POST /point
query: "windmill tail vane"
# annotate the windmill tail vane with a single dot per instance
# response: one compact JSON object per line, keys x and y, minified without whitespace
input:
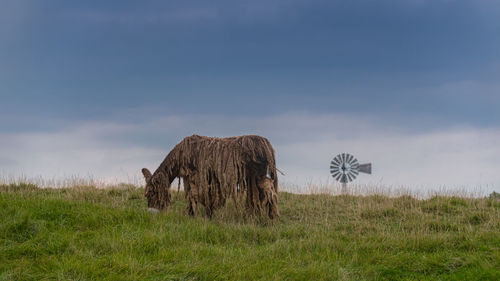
{"x":365,"y":168}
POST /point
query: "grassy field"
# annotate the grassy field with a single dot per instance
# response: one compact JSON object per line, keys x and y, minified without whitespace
{"x":84,"y":233}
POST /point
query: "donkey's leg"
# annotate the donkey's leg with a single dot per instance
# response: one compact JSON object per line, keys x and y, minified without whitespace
{"x":192,"y":197}
{"x":209,"y":211}
{"x":192,"y":207}
{"x":268,"y":197}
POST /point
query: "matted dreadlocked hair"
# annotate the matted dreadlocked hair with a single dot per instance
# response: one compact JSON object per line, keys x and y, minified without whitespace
{"x":214,"y":169}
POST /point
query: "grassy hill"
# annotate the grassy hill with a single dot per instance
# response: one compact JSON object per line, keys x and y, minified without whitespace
{"x":83,"y":233}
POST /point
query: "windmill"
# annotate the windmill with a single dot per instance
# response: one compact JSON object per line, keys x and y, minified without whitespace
{"x":345,"y":168}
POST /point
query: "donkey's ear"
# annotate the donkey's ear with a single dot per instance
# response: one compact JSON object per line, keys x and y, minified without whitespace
{"x":147,"y":174}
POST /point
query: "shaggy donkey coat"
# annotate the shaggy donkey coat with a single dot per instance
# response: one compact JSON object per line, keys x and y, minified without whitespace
{"x":214,"y":169}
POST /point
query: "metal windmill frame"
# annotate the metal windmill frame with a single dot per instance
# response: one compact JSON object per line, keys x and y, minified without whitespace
{"x":345,"y":168}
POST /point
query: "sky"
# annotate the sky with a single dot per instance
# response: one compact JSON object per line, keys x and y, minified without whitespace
{"x":104,"y":88}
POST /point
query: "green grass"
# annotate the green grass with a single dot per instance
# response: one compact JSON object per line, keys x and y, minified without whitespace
{"x":83,"y":233}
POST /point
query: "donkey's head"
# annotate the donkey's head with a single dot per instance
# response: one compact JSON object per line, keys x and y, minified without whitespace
{"x":157,"y":190}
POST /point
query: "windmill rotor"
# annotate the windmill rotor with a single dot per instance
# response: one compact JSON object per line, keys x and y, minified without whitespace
{"x":345,"y":168}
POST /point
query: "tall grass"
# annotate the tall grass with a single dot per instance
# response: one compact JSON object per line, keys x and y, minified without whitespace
{"x":335,"y":188}
{"x":86,"y":233}
{"x":312,"y":187}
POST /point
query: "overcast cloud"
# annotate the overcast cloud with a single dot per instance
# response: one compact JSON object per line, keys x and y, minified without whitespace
{"x":103,"y":88}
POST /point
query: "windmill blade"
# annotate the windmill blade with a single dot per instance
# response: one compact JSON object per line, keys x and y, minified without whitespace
{"x":335,"y":161}
{"x":348,"y":158}
{"x":351,"y":160}
{"x":353,"y":176}
{"x":365,"y":168}
{"x":349,"y":177}
{"x":338,"y":177}
{"x":355,"y":171}
{"x":343,"y":179}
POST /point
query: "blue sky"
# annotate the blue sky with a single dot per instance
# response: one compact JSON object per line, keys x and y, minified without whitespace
{"x":318,"y":77}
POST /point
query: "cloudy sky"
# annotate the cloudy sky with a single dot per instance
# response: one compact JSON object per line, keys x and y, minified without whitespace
{"x":104,"y":88}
